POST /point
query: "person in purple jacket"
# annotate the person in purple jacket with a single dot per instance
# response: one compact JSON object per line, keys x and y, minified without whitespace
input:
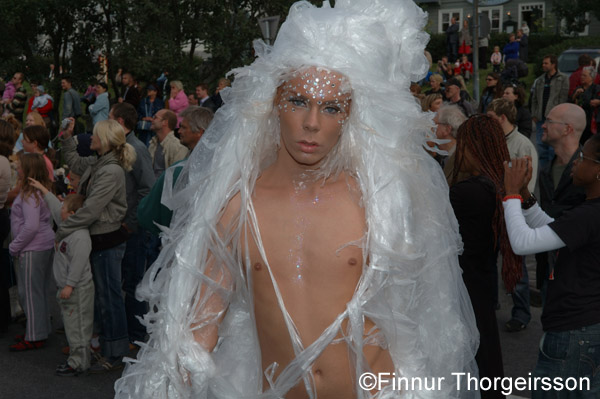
{"x":33,"y":247}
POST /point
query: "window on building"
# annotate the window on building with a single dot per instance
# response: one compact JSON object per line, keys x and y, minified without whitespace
{"x":581,"y":19}
{"x":495,"y":16}
{"x":444,"y":17}
{"x":533,"y":14}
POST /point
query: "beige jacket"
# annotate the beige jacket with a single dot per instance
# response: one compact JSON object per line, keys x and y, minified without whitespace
{"x":173,"y":150}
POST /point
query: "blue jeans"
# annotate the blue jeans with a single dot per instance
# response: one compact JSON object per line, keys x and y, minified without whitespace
{"x":545,"y":152}
{"x":134,"y":267}
{"x":110,"y":309}
{"x":567,"y":354}
{"x":520,"y":296}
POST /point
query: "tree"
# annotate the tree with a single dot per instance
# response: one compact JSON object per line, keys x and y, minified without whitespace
{"x":573,"y":13}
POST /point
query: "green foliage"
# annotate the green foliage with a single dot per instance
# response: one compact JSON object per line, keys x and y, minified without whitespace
{"x":437,"y":46}
{"x":573,"y":12}
{"x":145,"y":37}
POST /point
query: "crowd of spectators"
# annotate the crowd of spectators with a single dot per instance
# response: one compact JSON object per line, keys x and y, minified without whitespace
{"x":105,"y":213}
{"x":86,"y":198}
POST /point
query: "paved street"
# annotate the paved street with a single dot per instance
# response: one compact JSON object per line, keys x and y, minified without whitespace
{"x":31,"y":374}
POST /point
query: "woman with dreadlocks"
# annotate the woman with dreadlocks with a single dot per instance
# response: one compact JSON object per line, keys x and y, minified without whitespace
{"x":477,"y":202}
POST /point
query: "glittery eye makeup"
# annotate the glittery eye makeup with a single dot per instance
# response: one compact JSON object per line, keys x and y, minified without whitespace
{"x":328,"y":91}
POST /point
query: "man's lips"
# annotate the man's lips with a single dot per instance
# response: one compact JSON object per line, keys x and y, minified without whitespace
{"x":308,"y":146}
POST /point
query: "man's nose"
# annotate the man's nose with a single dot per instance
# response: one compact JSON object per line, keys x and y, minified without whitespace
{"x":312,"y":119}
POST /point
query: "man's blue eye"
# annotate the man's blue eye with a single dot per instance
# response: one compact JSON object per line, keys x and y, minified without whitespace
{"x":298,"y":102}
{"x":331,"y":110}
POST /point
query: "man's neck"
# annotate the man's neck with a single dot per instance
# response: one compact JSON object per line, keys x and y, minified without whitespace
{"x":565,"y":151}
{"x":456,"y":98}
{"x":162,"y":134}
{"x":508,"y":128}
{"x":551,"y":73}
{"x":286,"y":172}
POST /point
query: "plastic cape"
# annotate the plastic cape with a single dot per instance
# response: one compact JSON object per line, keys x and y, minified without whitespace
{"x":412,"y":287}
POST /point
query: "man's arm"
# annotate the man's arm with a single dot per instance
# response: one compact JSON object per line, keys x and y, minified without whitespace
{"x":563,"y":94}
{"x":67,"y":105}
{"x":534,"y":102}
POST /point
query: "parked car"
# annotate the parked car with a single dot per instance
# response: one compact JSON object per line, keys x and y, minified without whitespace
{"x":568,"y":60}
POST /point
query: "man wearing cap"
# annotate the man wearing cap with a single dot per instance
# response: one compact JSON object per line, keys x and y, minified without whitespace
{"x":453,"y":96}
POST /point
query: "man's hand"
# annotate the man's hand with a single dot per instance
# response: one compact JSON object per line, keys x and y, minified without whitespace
{"x":517,"y":174}
{"x":66,"y":292}
{"x":595,"y":103}
{"x":120,"y":99}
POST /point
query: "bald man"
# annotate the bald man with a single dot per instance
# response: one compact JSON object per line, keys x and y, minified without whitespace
{"x":562,"y":130}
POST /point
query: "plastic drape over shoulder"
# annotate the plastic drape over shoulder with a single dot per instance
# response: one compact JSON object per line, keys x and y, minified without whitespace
{"x":412,"y":287}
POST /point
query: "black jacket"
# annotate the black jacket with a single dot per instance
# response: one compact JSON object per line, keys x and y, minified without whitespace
{"x":565,"y":197}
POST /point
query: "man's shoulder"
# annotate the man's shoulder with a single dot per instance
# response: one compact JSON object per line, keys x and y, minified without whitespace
{"x":136,"y":143}
{"x":518,"y":140}
{"x":561,"y":77}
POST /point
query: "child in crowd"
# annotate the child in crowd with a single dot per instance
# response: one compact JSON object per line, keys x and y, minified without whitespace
{"x":35,"y":140}
{"x":496,"y":59}
{"x":8,"y":94}
{"x":466,"y":67}
{"x":32,"y":245}
{"x":457,"y":68}
{"x":73,"y":275}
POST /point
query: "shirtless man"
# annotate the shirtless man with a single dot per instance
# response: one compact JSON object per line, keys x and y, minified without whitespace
{"x":305,"y":245}
{"x":312,"y":239}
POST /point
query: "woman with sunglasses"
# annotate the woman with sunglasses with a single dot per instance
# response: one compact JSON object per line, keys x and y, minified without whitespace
{"x":492,"y":91}
{"x":570,"y":346}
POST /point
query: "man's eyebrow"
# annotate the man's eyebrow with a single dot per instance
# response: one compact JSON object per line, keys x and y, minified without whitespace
{"x":295,"y":94}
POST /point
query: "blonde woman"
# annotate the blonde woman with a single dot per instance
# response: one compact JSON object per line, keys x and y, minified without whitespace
{"x":103,"y":185}
{"x":432,"y":102}
{"x":178,"y":101}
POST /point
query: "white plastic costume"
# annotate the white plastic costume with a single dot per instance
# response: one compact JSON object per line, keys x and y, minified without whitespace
{"x":412,"y":287}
